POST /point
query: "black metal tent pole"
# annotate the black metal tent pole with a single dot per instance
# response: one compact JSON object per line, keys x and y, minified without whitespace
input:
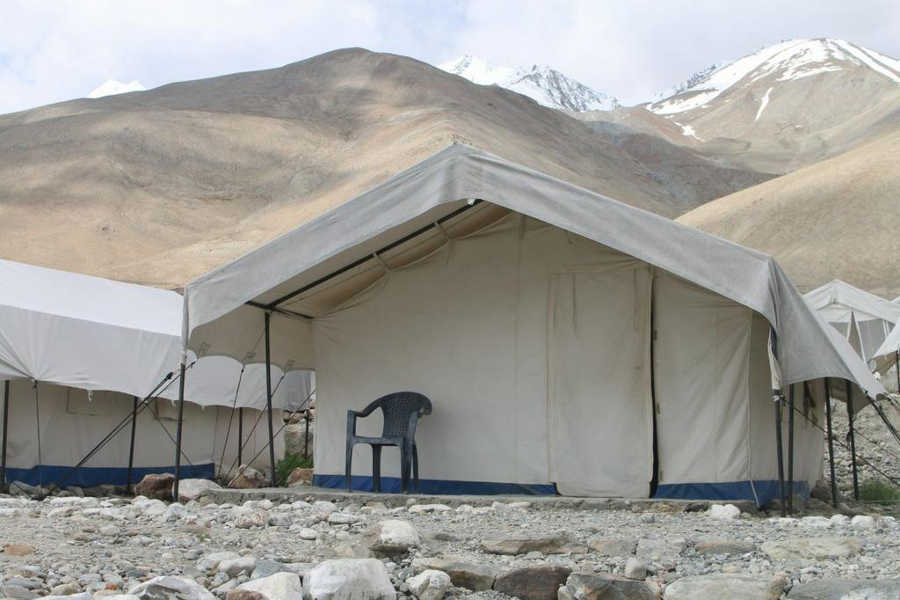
{"x":240,"y":435}
{"x":834,"y":492}
{"x":178,"y":433}
{"x":897,"y":367}
{"x":852,"y":434}
{"x":131,"y":445}
{"x":3,"y":481}
{"x":790,"y":459}
{"x":268,"y":316}
{"x":780,"y":452}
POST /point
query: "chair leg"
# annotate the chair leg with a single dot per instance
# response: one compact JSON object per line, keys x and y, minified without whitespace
{"x":376,"y":468}
{"x":347,"y":466}
{"x":415,"y":458}
{"x":404,"y":467}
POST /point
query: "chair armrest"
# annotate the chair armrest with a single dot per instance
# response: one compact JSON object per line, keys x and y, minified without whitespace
{"x":351,"y":423}
{"x":411,"y":429}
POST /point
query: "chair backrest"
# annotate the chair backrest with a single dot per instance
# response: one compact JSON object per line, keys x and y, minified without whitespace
{"x":397,"y":408}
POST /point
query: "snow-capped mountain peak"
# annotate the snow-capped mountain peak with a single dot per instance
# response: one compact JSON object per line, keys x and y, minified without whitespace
{"x":543,"y":84}
{"x":783,"y":62}
{"x":112,"y":87}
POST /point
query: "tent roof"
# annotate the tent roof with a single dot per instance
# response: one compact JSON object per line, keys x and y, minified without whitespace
{"x":443,"y":185}
{"x":98,"y":334}
{"x":837,"y":299}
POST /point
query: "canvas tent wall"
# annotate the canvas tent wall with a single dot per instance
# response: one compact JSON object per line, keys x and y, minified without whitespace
{"x":78,"y":349}
{"x":526,"y":309}
{"x":864,"y":319}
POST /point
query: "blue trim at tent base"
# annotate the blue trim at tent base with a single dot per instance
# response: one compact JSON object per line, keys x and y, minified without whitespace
{"x":766,"y":491}
{"x":392,"y":485}
{"x":94,"y":476}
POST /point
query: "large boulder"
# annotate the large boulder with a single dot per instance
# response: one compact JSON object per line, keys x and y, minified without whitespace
{"x":733,"y":587}
{"x":248,"y":478}
{"x":539,"y":582}
{"x":806,"y":549}
{"x":191,"y":489}
{"x":156,"y":485}
{"x":171,"y":588}
{"x":349,"y":579}
{"x":586,"y":586}
{"x":300,"y":476}
{"x":280,"y":586}
{"x":844,"y":589}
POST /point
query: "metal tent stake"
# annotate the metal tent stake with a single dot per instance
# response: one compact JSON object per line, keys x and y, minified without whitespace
{"x":131,"y":446}
{"x":269,"y":398}
{"x":779,"y":453}
{"x":790,"y":459}
{"x":3,"y":481}
{"x":834,"y":492}
{"x":178,"y":433}
{"x":850,"y":416}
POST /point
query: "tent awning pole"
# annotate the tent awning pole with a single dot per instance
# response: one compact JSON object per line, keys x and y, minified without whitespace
{"x":834,"y":492}
{"x":780,"y":453}
{"x":897,"y":367}
{"x":790,"y":458}
{"x":852,"y":434}
{"x":269,"y":398}
{"x":3,"y":481}
{"x":131,"y":445}
{"x":240,"y":437}
{"x":178,"y":432}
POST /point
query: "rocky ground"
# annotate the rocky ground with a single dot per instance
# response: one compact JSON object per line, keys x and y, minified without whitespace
{"x":88,"y":548}
{"x":877,"y":451}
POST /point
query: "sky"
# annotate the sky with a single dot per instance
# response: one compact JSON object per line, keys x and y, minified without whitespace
{"x":58,"y":50}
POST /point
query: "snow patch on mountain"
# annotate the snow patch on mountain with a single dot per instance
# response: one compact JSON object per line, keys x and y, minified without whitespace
{"x":787,"y":61}
{"x":111,"y":87}
{"x":763,"y":104}
{"x":543,"y":84}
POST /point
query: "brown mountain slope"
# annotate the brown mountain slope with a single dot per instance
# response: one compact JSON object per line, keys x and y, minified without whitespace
{"x":835,"y":219}
{"x":160,"y":186}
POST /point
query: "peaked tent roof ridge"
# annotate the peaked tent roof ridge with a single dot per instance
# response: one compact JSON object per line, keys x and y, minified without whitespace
{"x":838,"y":291}
{"x":461,"y":172}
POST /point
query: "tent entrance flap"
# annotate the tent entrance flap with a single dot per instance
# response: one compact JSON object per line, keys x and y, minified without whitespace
{"x":600,"y":407}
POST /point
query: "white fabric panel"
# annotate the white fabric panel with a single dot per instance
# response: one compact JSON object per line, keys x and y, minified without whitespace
{"x":702,"y":383}
{"x":439,"y":184}
{"x":600,"y":407}
{"x":837,"y":300}
{"x":71,"y":425}
{"x":256,"y":438}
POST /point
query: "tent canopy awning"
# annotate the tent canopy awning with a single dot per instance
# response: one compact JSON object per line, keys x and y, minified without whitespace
{"x":837,"y":300}
{"x":98,"y":334}
{"x":223,"y":309}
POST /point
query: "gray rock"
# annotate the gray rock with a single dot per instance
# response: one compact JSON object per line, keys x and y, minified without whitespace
{"x":349,"y":579}
{"x":308,"y":534}
{"x":191,"y":489}
{"x":733,"y":587}
{"x":235,"y":566}
{"x":709,"y":547}
{"x":585,"y":586}
{"x":337,"y":518}
{"x":475,"y":577}
{"x":635,"y":568}
{"x":16,"y":592}
{"x":65,"y":589}
{"x":846,"y":589}
{"x":171,"y":588}
{"x":612,"y":546}
{"x":210,"y":562}
{"x":803,"y":549}
{"x":429,"y":584}
{"x":660,"y":550}
{"x":554,"y":544}
{"x":394,"y":536}
{"x":249,"y":518}
{"x":533,"y":583}
{"x":156,"y":485}
{"x":279,"y":586}
{"x":264,"y":568}
{"x":76,"y":596}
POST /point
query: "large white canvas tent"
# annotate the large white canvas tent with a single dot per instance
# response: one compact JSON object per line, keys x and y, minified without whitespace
{"x":75,"y":352}
{"x":568,"y":342}
{"x":864,"y":319}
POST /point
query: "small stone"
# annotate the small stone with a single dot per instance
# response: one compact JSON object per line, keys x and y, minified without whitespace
{"x":613,"y":546}
{"x":300,"y":476}
{"x":475,"y":577}
{"x":635,"y":569}
{"x":522,"y":545}
{"x":733,"y":587}
{"x":429,"y":584}
{"x":324,"y":507}
{"x":235,"y":566}
{"x":816,"y":522}
{"x":660,"y":550}
{"x":247,"y":519}
{"x":171,"y":588}
{"x":846,"y":589}
{"x":862,"y":522}
{"x":65,"y":589}
{"x":236,"y":594}
{"x":264,"y":568}
{"x":725,"y":512}
{"x":584,"y":586}
{"x":393,"y":536}
{"x":349,"y":579}
{"x":337,"y":518}
{"x":156,"y":485}
{"x":109,"y":530}
{"x":712,"y":547}
{"x":16,"y":592}
{"x":279,"y":586}
{"x":426,"y":508}
{"x":308,"y":534}
{"x":840,"y":520}
{"x":805,"y":548}
{"x":248,"y":478}
{"x":210,"y":562}
{"x":533,"y":583}
{"x":191,"y":489}
{"x":18,"y":549}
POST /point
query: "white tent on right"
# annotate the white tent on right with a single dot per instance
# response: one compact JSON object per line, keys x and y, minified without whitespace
{"x":864,"y":319}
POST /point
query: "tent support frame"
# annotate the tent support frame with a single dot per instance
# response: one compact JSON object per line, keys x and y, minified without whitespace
{"x":780,"y":452}
{"x":790,"y":457}
{"x":834,"y":492}
{"x":134,"y":409}
{"x":3,"y":481}
{"x":268,"y":316}
{"x":178,"y":432}
{"x":240,"y":436}
{"x":852,"y":434}
{"x":897,"y":367}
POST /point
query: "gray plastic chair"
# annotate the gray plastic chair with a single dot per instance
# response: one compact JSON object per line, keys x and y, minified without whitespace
{"x":401,"y":411}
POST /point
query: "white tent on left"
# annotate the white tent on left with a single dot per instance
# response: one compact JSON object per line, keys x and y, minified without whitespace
{"x":79,"y":353}
{"x":863,"y":319}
